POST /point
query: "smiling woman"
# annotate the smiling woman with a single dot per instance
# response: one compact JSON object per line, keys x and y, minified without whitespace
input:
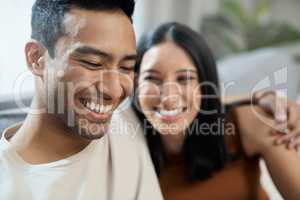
{"x":181,"y":77}
{"x":202,"y":148}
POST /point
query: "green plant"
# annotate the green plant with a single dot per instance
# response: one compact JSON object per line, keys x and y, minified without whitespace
{"x":297,"y":59}
{"x":236,"y":28}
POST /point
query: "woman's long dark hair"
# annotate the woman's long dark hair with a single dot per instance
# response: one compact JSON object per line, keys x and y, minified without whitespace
{"x":203,"y":153}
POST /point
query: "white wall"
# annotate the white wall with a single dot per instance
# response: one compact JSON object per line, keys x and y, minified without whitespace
{"x":15,"y":31}
{"x":287,"y":11}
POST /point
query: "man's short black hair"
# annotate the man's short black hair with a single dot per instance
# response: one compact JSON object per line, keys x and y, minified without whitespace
{"x":48,"y":16}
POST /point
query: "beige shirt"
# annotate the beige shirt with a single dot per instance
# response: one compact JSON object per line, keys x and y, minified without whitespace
{"x":115,"y":167}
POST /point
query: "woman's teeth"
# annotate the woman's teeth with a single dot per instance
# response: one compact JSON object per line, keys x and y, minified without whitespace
{"x":97,"y":107}
{"x":170,"y":112}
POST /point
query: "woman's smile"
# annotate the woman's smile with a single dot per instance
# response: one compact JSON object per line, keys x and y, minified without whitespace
{"x":170,"y":116}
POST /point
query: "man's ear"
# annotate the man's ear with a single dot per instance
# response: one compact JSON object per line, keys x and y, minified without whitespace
{"x":35,"y":53}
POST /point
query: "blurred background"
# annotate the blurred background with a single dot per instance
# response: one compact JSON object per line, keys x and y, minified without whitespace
{"x":256,"y":43}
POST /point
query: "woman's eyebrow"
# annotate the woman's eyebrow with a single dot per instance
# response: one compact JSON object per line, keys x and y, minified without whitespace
{"x":186,"y":70}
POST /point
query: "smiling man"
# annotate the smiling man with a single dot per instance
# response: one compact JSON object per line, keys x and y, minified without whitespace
{"x":82,"y":55}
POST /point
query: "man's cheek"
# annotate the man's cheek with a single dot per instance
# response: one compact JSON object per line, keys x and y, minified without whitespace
{"x":127,"y":82}
{"x":50,"y":95}
{"x":72,"y":74}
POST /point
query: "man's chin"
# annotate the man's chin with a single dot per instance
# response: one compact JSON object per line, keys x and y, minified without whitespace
{"x":92,"y":131}
{"x":90,"y":136}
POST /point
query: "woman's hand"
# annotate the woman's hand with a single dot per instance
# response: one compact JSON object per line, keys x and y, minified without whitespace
{"x":286,"y":115}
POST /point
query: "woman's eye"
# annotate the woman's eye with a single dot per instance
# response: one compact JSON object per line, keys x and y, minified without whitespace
{"x":185,"y":79}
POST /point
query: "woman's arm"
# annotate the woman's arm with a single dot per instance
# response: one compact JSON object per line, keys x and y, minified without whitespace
{"x":257,"y":137}
{"x":284,"y":168}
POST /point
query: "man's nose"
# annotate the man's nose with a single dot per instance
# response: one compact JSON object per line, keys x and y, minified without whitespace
{"x":110,"y":86}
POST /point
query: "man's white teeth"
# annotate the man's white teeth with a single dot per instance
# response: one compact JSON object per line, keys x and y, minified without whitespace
{"x":170,"y":112}
{"x":98,"y":108}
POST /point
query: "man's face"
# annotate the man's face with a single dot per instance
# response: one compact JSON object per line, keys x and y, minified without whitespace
{"x":92,"y":71}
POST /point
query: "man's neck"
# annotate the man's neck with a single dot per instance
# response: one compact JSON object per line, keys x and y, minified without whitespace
{"x":45,"y":138}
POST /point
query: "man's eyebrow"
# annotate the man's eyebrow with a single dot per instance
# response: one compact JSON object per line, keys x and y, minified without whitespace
{"x":132,"y":57}
{"x":151,"y":71}
{"x":90,"y":50}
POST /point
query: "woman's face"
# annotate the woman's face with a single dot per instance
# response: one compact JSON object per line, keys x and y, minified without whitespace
{"x":169,"y":93}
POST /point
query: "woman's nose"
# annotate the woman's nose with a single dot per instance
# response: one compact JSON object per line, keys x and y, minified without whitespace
{"x":170,"y":95}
